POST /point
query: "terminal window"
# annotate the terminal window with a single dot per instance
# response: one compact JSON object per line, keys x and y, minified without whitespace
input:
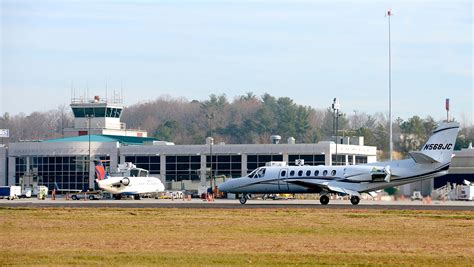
{"x":179,"y":168}
{"x":150,"y":163}
{"x":255,"y":161}
{"x":228,"y":165}
{"x":311,"y":160}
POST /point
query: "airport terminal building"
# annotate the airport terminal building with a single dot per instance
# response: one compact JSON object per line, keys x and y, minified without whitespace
{"x":98,"y":133}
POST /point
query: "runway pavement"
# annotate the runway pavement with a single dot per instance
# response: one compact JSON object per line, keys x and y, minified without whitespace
{"x":234,"y":204}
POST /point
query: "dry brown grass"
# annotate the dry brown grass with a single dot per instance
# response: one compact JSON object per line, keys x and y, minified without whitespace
{"x":234,"y":237}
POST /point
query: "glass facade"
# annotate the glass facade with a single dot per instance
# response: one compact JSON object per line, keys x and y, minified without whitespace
{"x":360,"y":159}
{"x":179,"y":168}
{"x":149,"y":163}
{"x":71,"y":172}
{"x":228,"y":165}
{"x":255,"y":161}
{"x":340,"y":160}
{"x":311,"y":160}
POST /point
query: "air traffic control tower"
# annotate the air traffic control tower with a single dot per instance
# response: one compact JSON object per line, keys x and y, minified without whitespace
{"x":99,"y":116}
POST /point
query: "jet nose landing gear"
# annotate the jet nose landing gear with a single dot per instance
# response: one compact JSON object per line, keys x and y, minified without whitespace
{"x":243,"y":199}
{"x":355,"y":200}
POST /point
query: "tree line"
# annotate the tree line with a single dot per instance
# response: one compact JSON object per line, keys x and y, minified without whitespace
{"x":245,"y":119}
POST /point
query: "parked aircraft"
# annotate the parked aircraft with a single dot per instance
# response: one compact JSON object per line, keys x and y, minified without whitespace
{"x":431,"y":161}
{"x":133,"y":181}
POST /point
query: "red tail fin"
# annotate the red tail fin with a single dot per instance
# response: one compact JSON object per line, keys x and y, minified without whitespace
{"x":99,"y":170}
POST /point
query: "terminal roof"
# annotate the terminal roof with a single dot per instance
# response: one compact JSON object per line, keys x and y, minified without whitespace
{"x":125,"y":140}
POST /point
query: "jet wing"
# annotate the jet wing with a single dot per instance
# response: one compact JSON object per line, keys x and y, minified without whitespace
{"x":324,"y":185}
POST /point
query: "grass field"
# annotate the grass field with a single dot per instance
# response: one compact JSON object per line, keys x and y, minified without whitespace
{"x":193,"y":237}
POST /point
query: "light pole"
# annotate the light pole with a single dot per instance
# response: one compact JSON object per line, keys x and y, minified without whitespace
{"x":89,"y":117}
{"x":336,"y":107}
{"x":389,"y":14}
{"x":210,"y":117}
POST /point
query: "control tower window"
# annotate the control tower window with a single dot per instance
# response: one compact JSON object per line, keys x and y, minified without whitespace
{"x":118,"y":112}
{"x":89,"y":111}
{"x":113,"y":112}
{"x":99,"y":112}
{"x":78,"y":112}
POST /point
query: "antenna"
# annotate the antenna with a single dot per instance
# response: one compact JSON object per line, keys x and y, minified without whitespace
{"x":106,"y":91}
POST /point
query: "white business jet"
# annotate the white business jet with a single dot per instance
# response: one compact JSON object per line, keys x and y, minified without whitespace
{"x":133,"y":181}
{"x":431,"y":161}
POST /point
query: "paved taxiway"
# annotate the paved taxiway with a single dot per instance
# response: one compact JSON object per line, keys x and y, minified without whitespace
{"x":234,"y":204}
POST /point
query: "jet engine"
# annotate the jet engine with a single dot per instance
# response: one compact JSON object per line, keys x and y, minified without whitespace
{"x":125,"y":181}
{"x":358,"y":173}
{"x":367,"y":173}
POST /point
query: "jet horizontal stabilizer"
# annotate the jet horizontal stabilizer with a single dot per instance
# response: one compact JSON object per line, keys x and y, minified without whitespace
{"x":421,"y":158}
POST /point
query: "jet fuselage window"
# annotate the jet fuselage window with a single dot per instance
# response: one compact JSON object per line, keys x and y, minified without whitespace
{"x":292,"y":173}
{"x":308,"y":173}
{"x":333,"y":173}
{"x":300,"y":173}
{"x":325,"y":173}
{"x":316,"y":173}
{"x":283,"y":173}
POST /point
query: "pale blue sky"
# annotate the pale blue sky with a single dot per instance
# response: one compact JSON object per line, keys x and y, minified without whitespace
{"x":311,"y":51}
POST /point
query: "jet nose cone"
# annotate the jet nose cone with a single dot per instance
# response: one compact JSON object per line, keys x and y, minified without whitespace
{"x":224,"y":187}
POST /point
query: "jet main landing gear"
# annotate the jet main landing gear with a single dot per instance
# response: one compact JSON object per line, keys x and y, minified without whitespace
{"x":355,"y":200}
{"x":324,"y":199}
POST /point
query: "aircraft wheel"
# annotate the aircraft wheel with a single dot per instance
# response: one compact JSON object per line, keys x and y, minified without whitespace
{"x":243,"y":199}
{"x":136,"y":197}
{"x":355,"y":200}
{"x":324,"y":199}
{"x":74,"y":197}
{"x":118,"y":196}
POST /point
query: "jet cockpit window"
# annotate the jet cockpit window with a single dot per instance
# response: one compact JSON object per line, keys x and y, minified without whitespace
{"x":134,"y":173}
{"x":143,"y":173}
{"x":252,"y":173}
{"x":258,"y":173}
